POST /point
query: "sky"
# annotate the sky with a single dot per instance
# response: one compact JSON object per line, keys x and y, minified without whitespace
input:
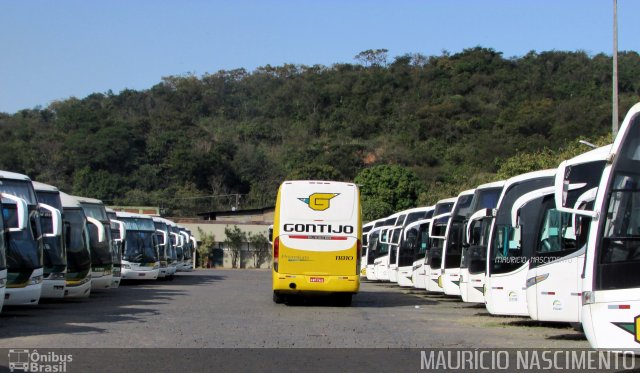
{"x":55,"y":49}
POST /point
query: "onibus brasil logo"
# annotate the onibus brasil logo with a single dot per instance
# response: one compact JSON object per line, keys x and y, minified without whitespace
{"x":319,"y":201}
{"x":33,"y":361}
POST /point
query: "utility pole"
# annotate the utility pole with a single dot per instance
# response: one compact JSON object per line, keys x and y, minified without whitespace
{"x":614,"y":104}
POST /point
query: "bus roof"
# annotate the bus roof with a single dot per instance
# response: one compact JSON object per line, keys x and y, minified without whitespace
{"x":69,"y":201}
{"x":42,"y":187}
{"x":493,"y":184}
{"x":122,"y":214}
{"x":88,"y":200}
{"x":13,"y":176}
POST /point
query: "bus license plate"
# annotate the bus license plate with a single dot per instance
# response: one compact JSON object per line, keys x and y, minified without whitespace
{"x":316,"y":279}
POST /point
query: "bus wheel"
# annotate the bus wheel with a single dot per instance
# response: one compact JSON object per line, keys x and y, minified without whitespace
{"x":577,"y":326}
{"x":343,"y":300}
{"x":278,"y":298}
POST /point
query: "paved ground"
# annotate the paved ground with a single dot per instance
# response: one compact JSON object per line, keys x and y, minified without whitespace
{"x":233,"y":308}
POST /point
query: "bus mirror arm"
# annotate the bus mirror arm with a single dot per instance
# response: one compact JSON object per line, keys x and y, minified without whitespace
{"x":22,"y":211}
{"x":164,"y":236}
{"x":121,"y":228}
{"x":99,"y":226}
{"x":56,"y":220}
{"x":478,"y":215}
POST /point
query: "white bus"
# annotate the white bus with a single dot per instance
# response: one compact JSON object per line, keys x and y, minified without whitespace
{"x":54,"y":254}
{"x":373,"y":246}
{"x":187,"y":249}
{"x":381,"y":260}
{"x":416,"y":236}
{"x":172,"y":255}
{"x":553,"y":282}
{"x":452,"y":250}
{"x":473,"y":261}
{"x":402,"y":265}
{"x":506,"y":271}
{"x":24,"y":247}
{"x":117,"y":249}
{"x":164,"y":242}
{"x":178,"y":245}
{"x":365,"y":246}
{"x":611,"y":280}
{"x":77,"y":246}
{"x":140,"y":259}
{"x":438,"y":229}
{"x":100,"y":242}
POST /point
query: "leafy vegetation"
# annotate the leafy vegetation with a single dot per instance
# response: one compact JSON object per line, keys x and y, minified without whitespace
{"x":436,"y":124}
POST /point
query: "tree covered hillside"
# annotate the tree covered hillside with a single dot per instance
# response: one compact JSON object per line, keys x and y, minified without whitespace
{"x":448,"y":121}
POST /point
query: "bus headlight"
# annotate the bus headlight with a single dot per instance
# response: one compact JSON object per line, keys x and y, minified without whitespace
{"x":56,"y":276}
{"x":126,"y":266}
{"x":35,"y":280}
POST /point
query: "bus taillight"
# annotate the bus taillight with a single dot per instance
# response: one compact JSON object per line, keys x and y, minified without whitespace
{"x":276,"y":253}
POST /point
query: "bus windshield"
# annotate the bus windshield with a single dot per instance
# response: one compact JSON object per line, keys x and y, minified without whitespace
{"x":373,"y":246}
{"x":619,"y":256}
{"x":453,"y":253}
{"x":556,"y":237}
{"x":75,"y":236}
{"x":436,"y":244}
{"x":140,"y":247}
{"x":422,"y":242}
{"x":505,"y":251}
{"x":54,"y":254}
{"x":3,"y":247}
{"x":474,"y":257}
{"x":24,"y":251}
{"x":383,"y":247}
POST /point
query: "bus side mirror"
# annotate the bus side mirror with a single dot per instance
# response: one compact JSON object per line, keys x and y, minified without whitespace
{"x":163,"y":234}
{"x":22,"y":211}
{"x":121,"y":229}
{"x":478,"y":215}
{"x":562,"y":187}
{"x":56,"y":220}
{"x":95,"y":222}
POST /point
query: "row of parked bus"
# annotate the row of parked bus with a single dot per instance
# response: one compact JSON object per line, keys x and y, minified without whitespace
{"x":55,"y":245}
{"x":557,"y":245}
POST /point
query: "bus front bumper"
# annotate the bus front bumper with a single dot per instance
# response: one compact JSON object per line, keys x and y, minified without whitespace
{"x":53,"y":288}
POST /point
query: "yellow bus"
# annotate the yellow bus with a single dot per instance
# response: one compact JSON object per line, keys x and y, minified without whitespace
{"x":317,"y":240}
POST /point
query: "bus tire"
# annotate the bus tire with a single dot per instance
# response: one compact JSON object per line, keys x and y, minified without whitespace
{"x":278,"y":298}
{"x":577,"y":326}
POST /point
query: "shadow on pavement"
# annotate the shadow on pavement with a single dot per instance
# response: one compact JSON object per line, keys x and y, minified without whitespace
{"x":129,"y":303}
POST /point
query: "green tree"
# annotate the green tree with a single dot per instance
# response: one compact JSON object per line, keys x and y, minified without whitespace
{"x":260,"y":248}
{"x":234,"y":241}
{"x":387,"y":186}
{"x":207,"y":244}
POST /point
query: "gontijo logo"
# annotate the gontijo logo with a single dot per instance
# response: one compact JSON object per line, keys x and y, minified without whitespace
{"x":632,"y":328}
{"x":319,"y":201}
